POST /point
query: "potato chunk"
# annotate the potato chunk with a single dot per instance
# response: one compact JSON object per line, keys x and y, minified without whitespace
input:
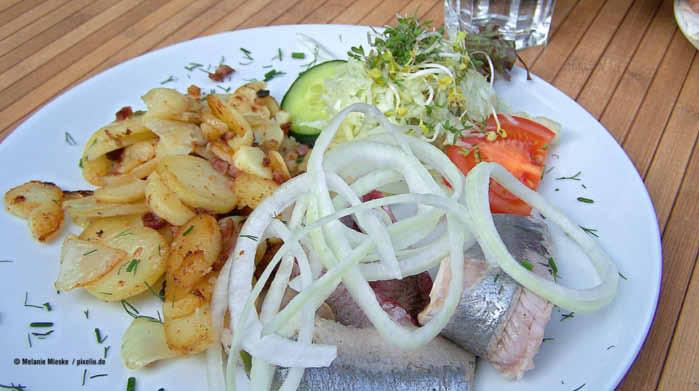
{"x":250,"y":190}
{"x":164,"y":202}
{"x":40,"y":204}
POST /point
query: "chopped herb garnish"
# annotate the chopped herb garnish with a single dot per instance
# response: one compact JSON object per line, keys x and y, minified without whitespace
{"x":188,"y":230}
{"x":131,"y":384}
{"x":99,"y":375}
{"x":580,"y":387}
{"x":567,"y":316}
{"x":106,"y":350}
{"x":192,"y":66}
{"x":224,"y":89}
{"x":14,"y":387}
{"x":133,"y":266}
{"x":98,"y":336}
{"x":6,"y":261}
{"x":168,"y":80}
{"x":43,"y":335}
{"x":247,"y":360}
{"x":90,"y":252}
{"x":134,"y":313}
{"x":298,"y":55}
{"x":84,"y":375}
{"x":623,"y":276}
{"x":583,"y":186}
{"x":80,"y":163}
{"x":547,"y":339}
{"x":248,"y":55}
{"x":153,"y":291}
{"x":29,"y":339}
{"x":552,"y":268}
{"x":124,"y":233}
{"x":611,"y":347}
{"x":586,"y":200}
{"x":41,"y":324}
{"x":26,"y":302}
{"x":590,"y":231}
{"x":251,"y":237}
{"x":272,"y":74}
{"x":87,"y":314}
{"x":70,"y":140}
{"x":526,"y":264}
{"x":279,"y":55}
{"x":47,"y":305}
{"x":575,"y":177}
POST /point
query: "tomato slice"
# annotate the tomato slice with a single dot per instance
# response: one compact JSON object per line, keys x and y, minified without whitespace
{"x":522,"y":150}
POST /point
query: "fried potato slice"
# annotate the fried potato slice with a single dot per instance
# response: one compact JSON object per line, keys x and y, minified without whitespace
{"x":115,"y":136}
{"x":91,"y":207}
{"x":122,"y":193}
{"x":197,"y":184}
{"x":144,"y":343}
{"x":40,"y":204}
{"x":175,"y":138}
{"x":278,"y":166}
{"x":167,"y":103}
{"x":250,"y":190}
{"x":83,"y":262}
{"x":95,"y":170}
{"x":229,"y":115}
{"x":138,"y":172}
{"x":144,"y":264}
{"x":190,"y":334}
{"x":252,"y":160}
{"x":164,"y":202}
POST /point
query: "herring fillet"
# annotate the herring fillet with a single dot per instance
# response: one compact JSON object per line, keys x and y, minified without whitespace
{"x":497,"y":319}
{"x":366,"y":362}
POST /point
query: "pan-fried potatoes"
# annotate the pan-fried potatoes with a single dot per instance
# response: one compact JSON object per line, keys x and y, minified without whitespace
{"x":40,"y":204}
{"x":164,"y":202}
{"x":162,"y":175}
{"x":197,"y":184}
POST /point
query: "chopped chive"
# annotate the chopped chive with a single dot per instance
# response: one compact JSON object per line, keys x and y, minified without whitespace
{"x":580,"y":387}
{"x":90,"y":252}
{"x":131,"y":384}
{"x":279,"y":55}
{"x":251,"y":237}
{"x":547,"y":339}
{"x":298,"y":55}
{"x":87,"y":314}
{"x":46,"y":334}
{"x":623,"y":276}
{"x":29,"y":339}
{"x":134,"y":313}
{"x":192,"y":66}
{"x":84,"y":374}
{"x":14,"y":387}
{"x":70,"y":140}
{"x":567,"y":316}
{"x":590,"y":231}
{"x":106,"y":350}
{"x":6,"y":261}
{"x":224,"y":89}
{"x":133,"y":266}
{"x":575,"y":177}
{"x":188,"y":231}
{"x":98,"y":335}
{"x":586,"y":200}
{"x":611,"y":347}
{"x":80,"y":163}
{"x":272,"y":74}
{"x":99,"y":375}
{"x":124,"y":233}
{"x":247,"y":360}
{"x":526,"y":264}
{"x":153,"y":292}
{"x":26,"y":304}
{"x":554,"y":268}
{"x":47,"y":305}
{"x":41,"y":324}
{"x":168,"y":80}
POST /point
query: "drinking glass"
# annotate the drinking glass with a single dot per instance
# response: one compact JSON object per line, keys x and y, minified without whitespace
{"x":526,"y":22}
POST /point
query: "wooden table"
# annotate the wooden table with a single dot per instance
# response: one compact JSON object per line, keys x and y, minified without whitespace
{"x":625,"y":61}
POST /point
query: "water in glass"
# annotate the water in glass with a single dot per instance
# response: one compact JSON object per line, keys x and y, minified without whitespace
{"x":527,"y":22}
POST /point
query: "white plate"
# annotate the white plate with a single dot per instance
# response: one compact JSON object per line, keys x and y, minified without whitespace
{"x":593,"y":349}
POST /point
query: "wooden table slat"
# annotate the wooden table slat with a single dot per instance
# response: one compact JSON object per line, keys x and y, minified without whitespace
{"x":611,"y":67}
{"x":625,"y":61}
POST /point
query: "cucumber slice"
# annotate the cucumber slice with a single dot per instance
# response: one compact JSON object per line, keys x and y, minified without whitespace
{"x":303,"y":100}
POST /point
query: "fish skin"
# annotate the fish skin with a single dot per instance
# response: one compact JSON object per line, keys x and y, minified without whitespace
{"x":491,"y":299}
{"x":366,"y":362}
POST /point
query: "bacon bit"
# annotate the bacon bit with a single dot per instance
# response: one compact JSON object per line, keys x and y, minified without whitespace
{"x":302,"y":149}
{"x":19,"y":199}
{"x":233,"y":171}
{"x":286,"y":127}
{"x":219,"y":165}
{"x":221,"y":73}
{"x":194,"y":91}
{"x":124,"y":113}
{"x":228,"y":135}
{"x":266,"y":162}
{"x":115,"y":155}
{"x":278,"y":177}
{"x":372,"y":195}
{"x":151,"y":220}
